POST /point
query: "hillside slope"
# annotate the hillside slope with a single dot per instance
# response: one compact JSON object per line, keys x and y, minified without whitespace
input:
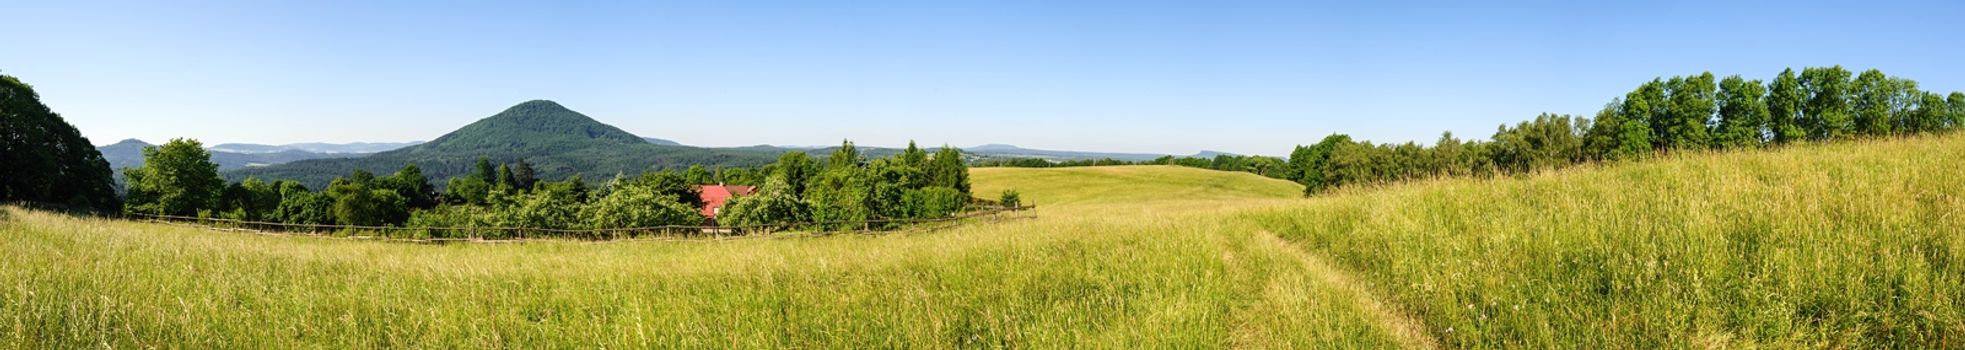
{"x":1850,"y":245}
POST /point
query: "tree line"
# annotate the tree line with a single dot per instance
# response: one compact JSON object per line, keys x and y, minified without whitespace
{"x":1683,"y":113}
{"x":843,"y":190}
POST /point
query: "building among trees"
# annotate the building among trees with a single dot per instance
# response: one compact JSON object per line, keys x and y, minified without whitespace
{"x":714,"y":196}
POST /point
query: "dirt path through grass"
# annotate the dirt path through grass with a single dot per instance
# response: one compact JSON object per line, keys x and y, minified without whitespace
{"x":1409,"y":331}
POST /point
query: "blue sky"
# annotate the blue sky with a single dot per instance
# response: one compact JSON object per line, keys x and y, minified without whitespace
{"x":1135,"y":76}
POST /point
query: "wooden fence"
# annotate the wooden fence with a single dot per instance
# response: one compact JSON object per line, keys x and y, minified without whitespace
{"x":516,"y":234}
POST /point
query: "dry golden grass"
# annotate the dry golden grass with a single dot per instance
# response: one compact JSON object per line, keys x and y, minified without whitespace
{"x":1123,"y":271}
{"x":1854,"y":245}
{"x":1838,"y":246}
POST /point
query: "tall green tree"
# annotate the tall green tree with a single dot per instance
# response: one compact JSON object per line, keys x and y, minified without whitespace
{"x":1931,"y":114}
{"x":1743,"y":113}
{"x":846,"y":156}
{"x":669,"y":183}
{"x":412,"y":186}
{"x":838,"y":198}
{"x":486,"y":172}
{"x":467,"y":190}
{"x":1315,"y":160}
{"x":1956,"y":104}
{"x":1298,"y":161}
{"x":1645,"y":107}
{"x":1612,"y":136}
{"x":251,"y":199}
{"x":301,"y":206}
{"x":696,"y":174}
{"x":1449,"y":156}
{"x":1785,"y":101}
{"x":523,"y":176}
{"x":914,"y":156}
{"x":45,"y":159}
{"x":1690,"y":111}
{"x":1870,"y":99}
{"x":359,"y":201}
{"x":1826,"y":112}
{"x":797,"y":169}
{"x":1906,"y":114}
{"x":505,"y":180}
{"x":177,"y":178}
{"x":948,"y":169}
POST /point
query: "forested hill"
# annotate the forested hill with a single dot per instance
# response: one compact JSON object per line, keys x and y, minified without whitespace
{"x":533,"y":126}
{"x":557,"y":141}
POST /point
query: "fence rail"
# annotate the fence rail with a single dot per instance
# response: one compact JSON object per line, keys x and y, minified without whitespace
{"x":517,"y":234}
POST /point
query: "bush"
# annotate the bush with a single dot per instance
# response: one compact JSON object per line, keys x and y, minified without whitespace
{"x":637,"y":206}
{"x":469,"y":221}
{"x":1011,"y":199}
{"x":933,"y":202}
{"x":538,"y":210}
{"x":771,"y":210}
{"x":838,"y":198}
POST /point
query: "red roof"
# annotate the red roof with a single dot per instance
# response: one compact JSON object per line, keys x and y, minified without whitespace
{"x":715,"y":195}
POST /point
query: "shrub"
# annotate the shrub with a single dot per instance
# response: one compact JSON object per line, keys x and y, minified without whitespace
{"x":455,"y":221}
{"x":933,"y":202}
{"x":538,"y":210}
{"x":637,"y":206}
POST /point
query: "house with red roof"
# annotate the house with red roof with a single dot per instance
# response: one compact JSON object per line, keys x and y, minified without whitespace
{"x":714,"y":196}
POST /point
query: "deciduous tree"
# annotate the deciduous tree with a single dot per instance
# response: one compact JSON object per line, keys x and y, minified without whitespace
{"x":177,"y":178}
{"x":1743,"y":113}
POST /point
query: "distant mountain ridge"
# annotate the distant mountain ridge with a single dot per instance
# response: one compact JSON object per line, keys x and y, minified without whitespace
{"x":558,"y":141}
{"x":129,"y":153}
{"x":315,"y":147}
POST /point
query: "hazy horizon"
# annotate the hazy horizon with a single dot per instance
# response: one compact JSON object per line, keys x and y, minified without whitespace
{"x":1167,"y":78}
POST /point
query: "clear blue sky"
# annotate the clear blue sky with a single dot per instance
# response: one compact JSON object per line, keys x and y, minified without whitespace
{"x":1138,"y":76}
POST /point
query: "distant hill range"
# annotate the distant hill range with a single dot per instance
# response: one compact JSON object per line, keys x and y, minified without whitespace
{"x":314,"y":147}
{"x":559,"y":142}
{"x":129,"y":153}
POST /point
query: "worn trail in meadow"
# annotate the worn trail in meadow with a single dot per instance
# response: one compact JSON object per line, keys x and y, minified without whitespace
{"x":1410,"y":332}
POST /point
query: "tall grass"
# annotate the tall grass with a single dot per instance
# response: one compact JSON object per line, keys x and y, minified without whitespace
{"x":1827,"y":246}
{"x":1856,"y":245}
{"x":1152,"y":272}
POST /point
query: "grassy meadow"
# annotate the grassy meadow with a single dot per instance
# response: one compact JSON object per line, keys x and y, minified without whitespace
{"x":1084,"y":272}
{"x":1851,"y":245}
{"x":1855,"y":245}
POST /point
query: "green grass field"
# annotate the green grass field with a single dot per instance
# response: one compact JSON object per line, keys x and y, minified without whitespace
{"x":1838,"y":246}
{"x":1852,"y":245}
{"x":1084,"y":272}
